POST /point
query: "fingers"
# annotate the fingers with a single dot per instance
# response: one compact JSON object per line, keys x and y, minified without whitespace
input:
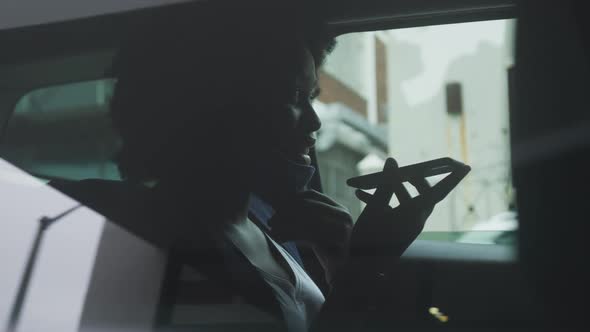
{"x":389,"y":183}
{"x":401,"y":192}
{"x":363,"y":196}
{"x":440,"y":190}
{"x":395,"y":177}
{"x":373,"y":180}
{"x":421,"y":184}
{"x":417,"y":202}
{"x":386,"y":186}
{"x":369,"y":181}
{"x":427,"y":168}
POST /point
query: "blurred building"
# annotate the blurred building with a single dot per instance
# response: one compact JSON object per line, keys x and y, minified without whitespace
{"x":353,"y":108}
{"x":426,"y":93}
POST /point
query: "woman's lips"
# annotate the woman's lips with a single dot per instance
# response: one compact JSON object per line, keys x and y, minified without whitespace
{"x":301,"y":155}
{"x":309,"y":141}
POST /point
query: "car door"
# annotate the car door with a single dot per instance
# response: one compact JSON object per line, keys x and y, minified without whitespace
{"x":398,"y":83}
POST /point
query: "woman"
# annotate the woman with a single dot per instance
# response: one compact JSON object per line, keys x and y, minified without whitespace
{"x":213,"y":105}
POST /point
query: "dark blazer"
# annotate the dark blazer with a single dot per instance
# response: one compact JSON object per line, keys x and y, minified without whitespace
{"x":228,"y":290}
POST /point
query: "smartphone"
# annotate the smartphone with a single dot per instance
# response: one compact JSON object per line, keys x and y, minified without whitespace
{"x":456,"y":172}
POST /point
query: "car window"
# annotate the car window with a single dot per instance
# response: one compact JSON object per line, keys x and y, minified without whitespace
{"x":414,"y":94}
{"x":63,"y":132}
{"x":418,"y":94}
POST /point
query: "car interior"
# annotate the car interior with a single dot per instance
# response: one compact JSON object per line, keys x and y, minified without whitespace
{"x":55,"y":86}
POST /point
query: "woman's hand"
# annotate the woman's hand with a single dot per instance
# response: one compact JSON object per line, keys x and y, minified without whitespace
{"x":363,"y":287}
{"x":383,"y":231}
{"x":379,"y":237}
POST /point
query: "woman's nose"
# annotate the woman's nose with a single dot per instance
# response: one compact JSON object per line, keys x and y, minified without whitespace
{"x":311,"y":120}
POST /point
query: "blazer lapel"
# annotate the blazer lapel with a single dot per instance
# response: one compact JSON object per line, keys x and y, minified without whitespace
{"x":248,"y":281}
{"x":220,"y":260}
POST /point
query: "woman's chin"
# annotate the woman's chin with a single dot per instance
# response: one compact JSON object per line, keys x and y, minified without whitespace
{"x":300,"y":159}
{"x":303,"y":159}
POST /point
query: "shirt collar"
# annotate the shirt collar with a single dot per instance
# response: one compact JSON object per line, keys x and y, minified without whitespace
{"x":278,"y":176}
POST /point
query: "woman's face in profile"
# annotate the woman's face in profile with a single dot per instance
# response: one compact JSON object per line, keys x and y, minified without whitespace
{"x":293,"y":121}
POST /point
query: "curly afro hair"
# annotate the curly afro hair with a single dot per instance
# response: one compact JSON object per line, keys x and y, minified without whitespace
{"x":193,"y":69}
